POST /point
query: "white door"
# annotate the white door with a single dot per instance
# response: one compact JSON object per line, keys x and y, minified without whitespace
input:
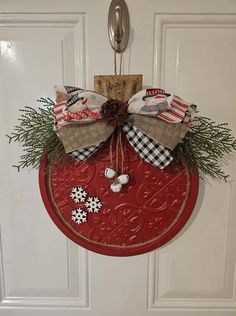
{"x":184,"y":46}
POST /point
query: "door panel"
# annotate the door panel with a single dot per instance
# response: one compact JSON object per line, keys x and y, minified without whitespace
{"x":198,"y":269}
{"x":40,"y":265}
{"x":186,"y":47}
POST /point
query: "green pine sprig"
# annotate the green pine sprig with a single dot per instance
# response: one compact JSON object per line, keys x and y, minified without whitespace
{"x":202,"y":148}
{"x":204,"y":145}
{"x":36,"y":134}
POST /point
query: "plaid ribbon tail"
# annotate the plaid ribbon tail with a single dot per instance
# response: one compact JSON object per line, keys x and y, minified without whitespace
{"x":84,"y":154}
{"x":146,"y":147}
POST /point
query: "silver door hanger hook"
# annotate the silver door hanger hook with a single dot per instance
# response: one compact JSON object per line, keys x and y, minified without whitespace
{"x":118,"y":25}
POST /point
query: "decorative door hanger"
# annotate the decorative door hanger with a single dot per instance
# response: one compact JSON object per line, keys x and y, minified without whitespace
{"x":120,"y":178}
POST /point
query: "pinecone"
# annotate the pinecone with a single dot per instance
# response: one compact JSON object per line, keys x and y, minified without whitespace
{"x":114,"y":112}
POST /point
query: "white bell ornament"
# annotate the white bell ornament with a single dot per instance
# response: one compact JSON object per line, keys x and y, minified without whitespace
{"x":109,"y":173}
{"x":123,"y":179}
{"x":116,"y":187}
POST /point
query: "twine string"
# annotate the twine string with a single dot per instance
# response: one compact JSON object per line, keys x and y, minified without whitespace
{"x":111,"y":150}
{"x":121,"y":55}
{"x":122,"y":153}
{"x":115,"y":62}
{"x":115,"y":69}
{"x":119,"y":152}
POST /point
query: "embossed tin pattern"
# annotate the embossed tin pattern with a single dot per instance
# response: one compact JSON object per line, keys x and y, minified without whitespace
{"x":151,"y":209}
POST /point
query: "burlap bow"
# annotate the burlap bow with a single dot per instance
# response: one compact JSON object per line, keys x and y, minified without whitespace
{"x":159,"y":118}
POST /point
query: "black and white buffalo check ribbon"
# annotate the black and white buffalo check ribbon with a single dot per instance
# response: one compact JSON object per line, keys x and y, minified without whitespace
{"x":85,"y":153}
{"x":146,"y":148}
{"x":143,"y":145}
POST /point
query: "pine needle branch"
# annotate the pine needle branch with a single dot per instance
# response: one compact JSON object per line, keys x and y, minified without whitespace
{"x":204,"y":145}
{"x":36,"y":134}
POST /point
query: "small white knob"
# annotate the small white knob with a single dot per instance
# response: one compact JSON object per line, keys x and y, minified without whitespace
{"x":109,"y":173}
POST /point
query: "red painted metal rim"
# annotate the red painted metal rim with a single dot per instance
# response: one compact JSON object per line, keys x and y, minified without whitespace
{"x":102,"y":249}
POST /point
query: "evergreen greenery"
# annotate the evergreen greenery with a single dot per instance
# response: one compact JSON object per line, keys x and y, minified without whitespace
{"x":203,"y":146}
{"x":36,"y":134}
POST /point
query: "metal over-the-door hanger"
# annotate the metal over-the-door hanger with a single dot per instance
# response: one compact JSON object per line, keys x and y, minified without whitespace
{"x":118,"y":25}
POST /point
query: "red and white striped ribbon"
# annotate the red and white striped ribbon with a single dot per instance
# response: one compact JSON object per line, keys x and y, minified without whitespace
{"x":177,"y":112}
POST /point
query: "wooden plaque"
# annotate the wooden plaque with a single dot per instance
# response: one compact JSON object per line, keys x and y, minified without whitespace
{"x":120,"y":87}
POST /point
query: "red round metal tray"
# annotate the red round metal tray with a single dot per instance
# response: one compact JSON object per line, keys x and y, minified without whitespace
{"x":151,"y":209}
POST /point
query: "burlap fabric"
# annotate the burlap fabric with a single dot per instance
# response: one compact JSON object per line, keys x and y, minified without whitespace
{"x":81,"y":136}
{"x":163,"y":133}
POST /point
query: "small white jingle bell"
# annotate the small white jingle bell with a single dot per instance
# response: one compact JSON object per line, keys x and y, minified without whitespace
{"x":109,"y":173}
{"x":116,"y":187}
{"x":123,"y":179}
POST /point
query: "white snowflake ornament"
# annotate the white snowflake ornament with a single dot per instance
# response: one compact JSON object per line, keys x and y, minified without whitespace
{"x":79,"y":216}
{"x":78,"y":194}
{"x":93,"y":204}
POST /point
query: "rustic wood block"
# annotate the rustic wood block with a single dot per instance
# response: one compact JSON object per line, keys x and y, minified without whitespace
{"x":120,"y":87}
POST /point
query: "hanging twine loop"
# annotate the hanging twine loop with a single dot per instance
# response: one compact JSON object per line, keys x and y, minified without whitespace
{"x":114,"y":112}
